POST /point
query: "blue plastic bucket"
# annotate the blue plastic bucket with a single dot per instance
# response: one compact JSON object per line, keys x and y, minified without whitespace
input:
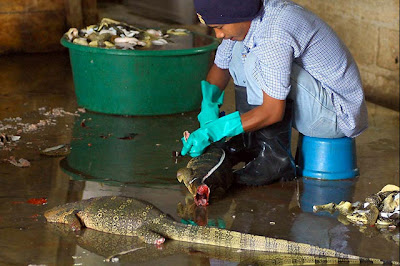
{"x":330,"y":159}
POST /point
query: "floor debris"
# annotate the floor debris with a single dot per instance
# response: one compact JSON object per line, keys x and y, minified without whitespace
{"x":20,"y":163}
{"x":380,"y":210}
{"x":59,"y":150}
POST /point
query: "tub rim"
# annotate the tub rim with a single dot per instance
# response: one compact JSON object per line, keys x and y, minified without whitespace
{"x":190,"y":51}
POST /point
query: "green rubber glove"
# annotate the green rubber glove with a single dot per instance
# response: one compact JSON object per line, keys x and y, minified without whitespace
{"x":213,"y":98}
{"x":226,"y":126}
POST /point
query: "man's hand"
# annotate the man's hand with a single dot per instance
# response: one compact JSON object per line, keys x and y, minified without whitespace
{"x":213,"y":98}
{"x":196,"y":143}
{"x":227,"y":126}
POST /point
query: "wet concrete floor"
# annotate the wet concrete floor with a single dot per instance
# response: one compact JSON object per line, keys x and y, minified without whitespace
{"x":132,"y":156}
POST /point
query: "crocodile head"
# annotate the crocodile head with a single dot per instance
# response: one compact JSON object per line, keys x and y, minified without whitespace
{"x":199,"y":190}
{"x":209,"y":171}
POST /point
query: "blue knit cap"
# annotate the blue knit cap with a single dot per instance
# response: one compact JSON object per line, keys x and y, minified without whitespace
{"x":227,"y":11}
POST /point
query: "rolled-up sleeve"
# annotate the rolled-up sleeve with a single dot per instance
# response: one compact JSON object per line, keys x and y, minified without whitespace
{"x":273,"y":68}
{"x":224,"y":54}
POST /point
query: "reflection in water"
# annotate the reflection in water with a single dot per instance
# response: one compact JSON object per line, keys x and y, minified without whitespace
{"x":326,"y":230}
{"x":317,"y":192}
{"x":109,"y":246}
{"x":257,"y":210}
{"x":192,"y":214}
{"x":127,"y":150}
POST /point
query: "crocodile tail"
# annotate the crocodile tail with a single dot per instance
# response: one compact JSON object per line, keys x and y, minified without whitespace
{"x":232,"y":239}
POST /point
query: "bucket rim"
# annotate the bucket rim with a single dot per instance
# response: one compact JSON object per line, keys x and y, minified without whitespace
{"x":190,"y":51}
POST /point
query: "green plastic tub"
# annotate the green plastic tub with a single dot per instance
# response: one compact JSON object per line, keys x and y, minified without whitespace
{"x":139,"y":82}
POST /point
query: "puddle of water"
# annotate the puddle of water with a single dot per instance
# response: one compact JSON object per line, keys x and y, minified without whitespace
{"x":127,"y":150}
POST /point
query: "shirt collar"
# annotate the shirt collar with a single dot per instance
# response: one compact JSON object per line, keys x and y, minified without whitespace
{"x":248,"y":41}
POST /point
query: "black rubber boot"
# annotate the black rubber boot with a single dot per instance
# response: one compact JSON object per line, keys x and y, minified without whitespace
{"x":273,"y":160}
{"x":241,"y":148}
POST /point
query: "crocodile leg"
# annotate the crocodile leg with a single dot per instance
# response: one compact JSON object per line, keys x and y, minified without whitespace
{"x":149,"y":236}
{"x":73,"y":221}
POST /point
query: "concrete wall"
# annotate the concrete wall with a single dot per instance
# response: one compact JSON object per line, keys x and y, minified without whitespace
{"x":370,"y":29}
{"x":31,"y":25}
{"x":174,"y":11}
{"x":37,"y":25}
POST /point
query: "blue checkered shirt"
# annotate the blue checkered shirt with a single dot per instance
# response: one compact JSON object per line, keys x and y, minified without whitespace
{"x":285,"y":33}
